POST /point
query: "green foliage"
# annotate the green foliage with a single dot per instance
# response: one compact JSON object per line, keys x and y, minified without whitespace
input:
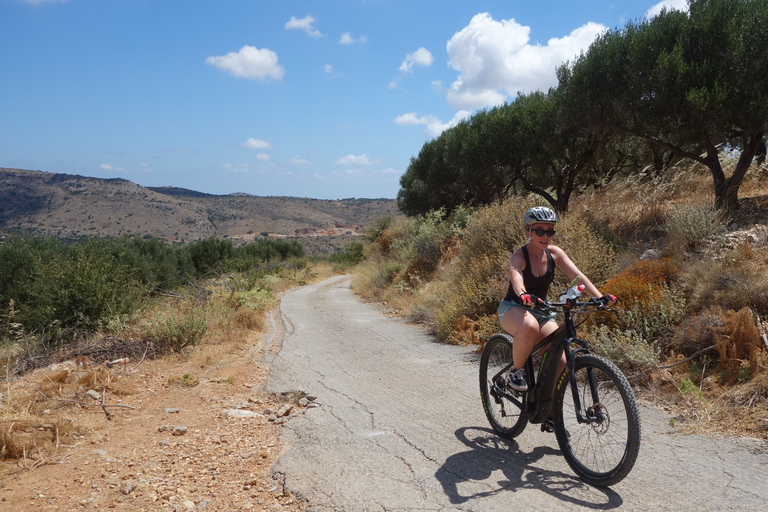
{"x":258,"y":298}
{"x":350,"y":256}
{"x":81,"y":290}
{"x":688,"y":388}
{"x":690,"y":225}
{"x":54,"y":288}
{"x":633,"y":353}
{"x":208,"y":255}
{"x":189,"y":380}
{"x":176,"y":332}
{"x":691,"y":81}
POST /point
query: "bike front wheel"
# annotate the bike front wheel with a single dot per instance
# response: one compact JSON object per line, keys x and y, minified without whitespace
{"x":603,"y":449}
{"x":503,"y":407}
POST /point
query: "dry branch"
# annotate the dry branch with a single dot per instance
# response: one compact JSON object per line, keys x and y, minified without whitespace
{"x":688,"y":358}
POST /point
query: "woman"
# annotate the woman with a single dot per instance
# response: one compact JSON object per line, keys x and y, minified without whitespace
{"x":531,"y":272}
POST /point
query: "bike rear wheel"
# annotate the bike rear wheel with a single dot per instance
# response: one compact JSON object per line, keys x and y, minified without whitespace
{"x":603,"y":450}
{"x":503,"y":407}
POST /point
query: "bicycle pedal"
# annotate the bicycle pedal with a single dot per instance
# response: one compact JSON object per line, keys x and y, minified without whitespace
{"x":548,"y":426}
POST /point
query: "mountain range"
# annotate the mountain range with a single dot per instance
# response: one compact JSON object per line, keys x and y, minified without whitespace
{"x":72,"y":206}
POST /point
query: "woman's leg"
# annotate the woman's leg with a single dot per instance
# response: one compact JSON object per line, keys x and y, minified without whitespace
{"x":525,"y":329}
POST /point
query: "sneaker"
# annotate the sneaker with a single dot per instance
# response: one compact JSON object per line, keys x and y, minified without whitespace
{"x":516,"y":380}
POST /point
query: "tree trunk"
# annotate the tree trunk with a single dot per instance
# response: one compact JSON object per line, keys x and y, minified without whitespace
{"x":727,"y":190}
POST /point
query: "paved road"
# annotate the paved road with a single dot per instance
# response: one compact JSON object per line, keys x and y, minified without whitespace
{"x":400,"y":427}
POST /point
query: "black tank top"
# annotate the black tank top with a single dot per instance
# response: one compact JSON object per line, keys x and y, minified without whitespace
{"x":538,"y":286}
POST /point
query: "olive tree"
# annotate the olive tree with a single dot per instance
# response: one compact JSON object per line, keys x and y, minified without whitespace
{"x":694,"y":84}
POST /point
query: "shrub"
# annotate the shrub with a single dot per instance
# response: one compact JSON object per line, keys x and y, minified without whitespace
{"x":258,"y":298}
{"x":636,"y":357}
{"x":640,"y":283}
{"x":208,"y":256}
{"x":80,"y":290}
{"x":689,"y":225}
{"x":736,"y":280}
{"x":740,"y":351}
{"x":181,"y":330}
{"x":350,"y":256}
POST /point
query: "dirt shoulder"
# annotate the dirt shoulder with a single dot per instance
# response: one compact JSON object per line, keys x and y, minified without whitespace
{"x":186,"y":433}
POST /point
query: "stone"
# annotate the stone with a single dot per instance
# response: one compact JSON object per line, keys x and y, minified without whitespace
{"x":179,"y":431}
{"x":241,"y":413}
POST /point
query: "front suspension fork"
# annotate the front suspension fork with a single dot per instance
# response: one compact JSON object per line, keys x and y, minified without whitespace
{"x":570,"y":361}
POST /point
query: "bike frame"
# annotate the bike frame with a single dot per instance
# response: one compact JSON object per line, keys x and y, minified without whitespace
{"x":538,"y":399}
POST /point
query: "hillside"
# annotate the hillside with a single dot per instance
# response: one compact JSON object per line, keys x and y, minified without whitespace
{"x":66,"y":205}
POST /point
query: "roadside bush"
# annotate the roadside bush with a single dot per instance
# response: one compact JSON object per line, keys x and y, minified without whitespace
{"x":628,"y":349}
{"x":639,"y":284}
{"x":208,"y":256}
{"x":180,"y":329}
{"x":690,"y":225}
{"x":78,"y":288}
{"x":736,"y":280}
{"x":159,"y":266}
{"x":649,"y":304}
{"x":349,"y":257}
{"x":405,"y":254}
{"x":251,"y":256}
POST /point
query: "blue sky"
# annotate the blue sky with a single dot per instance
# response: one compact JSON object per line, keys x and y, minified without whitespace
{"x":324,"y":99}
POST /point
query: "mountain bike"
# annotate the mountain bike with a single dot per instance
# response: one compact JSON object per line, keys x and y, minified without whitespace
{"x":597,"y":423}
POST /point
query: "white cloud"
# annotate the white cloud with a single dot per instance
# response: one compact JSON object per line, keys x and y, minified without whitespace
{"x":262,"y":157}
{"x":434,"y":126}
{"x":421,"y":57}
{"x":329,"y":70}
{"x":346,"y":38}
{"x":237,"y":167}
{"x":496,"y":61}
{"x":107,"y":167}
{"x":305,"y":24}
{"x":356,"y":160}
{"x":252,"y":143}
{"x":677,"y":5}
{"x":249,"y":62}
{"x":299,"y":160}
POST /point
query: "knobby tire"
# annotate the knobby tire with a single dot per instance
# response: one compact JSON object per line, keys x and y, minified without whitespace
{"x":507,"y":418}
{"x":601,"y":452}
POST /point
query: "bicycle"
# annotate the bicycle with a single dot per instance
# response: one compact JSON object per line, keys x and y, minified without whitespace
{"x":597,"y":425}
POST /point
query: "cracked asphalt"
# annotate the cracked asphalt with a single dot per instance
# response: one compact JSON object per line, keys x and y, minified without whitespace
{"x":400,"y":427}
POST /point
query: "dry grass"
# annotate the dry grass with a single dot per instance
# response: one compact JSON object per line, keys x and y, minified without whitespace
{"x":50,"y":407}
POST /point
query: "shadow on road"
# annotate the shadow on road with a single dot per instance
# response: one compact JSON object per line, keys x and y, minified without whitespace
{"x":468,"y":475}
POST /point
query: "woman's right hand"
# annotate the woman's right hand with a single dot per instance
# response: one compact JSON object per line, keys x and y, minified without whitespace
{"x":529,"y":299}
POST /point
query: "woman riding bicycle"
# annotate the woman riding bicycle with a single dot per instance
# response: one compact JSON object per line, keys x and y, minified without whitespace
{"x":531,"y":272}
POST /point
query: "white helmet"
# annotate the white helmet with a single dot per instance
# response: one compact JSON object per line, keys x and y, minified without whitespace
{"x":539,"y":214}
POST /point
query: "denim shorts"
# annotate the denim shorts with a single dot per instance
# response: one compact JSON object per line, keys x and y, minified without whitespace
{"x":540,"y":315}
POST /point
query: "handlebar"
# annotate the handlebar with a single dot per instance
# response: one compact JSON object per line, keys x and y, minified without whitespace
{"x":571,"y":304}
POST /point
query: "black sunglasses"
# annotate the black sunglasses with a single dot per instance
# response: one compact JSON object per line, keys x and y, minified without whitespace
{"x":541,"y":232}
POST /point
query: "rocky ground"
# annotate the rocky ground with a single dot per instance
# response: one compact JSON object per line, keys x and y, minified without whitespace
{"x":186,"y":433}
